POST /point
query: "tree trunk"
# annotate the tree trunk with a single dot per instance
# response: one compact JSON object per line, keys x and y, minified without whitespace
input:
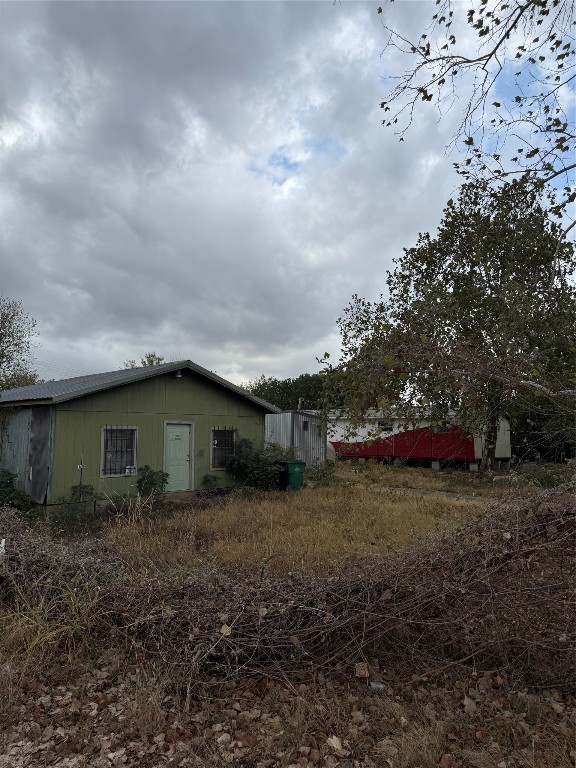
{"x":490,"y":436}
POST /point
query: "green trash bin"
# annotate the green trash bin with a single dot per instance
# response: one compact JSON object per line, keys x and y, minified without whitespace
{"x":295,"y":474}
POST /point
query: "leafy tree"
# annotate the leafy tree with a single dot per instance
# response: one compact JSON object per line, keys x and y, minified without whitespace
{"x":150,"y":358}
{"x":305,"y":391}
{"x":466,"y":52}
{"x":481,"y":312}
{"x":540,"y":430}
{"x":17,"y":329}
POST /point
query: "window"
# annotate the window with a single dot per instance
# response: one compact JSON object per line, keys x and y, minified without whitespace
{"x":118,"y":451}
{"x":222,"y":446}
{"x":305,"y":426}
{"x":385,"y":426}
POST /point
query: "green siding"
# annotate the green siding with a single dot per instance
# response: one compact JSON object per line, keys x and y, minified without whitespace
{"x":146,"y":405}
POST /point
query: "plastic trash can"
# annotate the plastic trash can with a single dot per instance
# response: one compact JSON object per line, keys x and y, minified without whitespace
{"x":292,"y":474}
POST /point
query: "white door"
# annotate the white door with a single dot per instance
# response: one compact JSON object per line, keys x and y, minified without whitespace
{"x":178,"y":456}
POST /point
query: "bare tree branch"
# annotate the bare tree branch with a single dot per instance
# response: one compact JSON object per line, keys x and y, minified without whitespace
{"x":535,"y":38}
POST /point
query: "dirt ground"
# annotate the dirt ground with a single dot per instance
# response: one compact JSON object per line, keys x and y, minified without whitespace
{"x":118,"y":716}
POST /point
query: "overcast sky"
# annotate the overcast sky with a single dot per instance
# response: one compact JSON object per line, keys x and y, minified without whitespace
{"x":209,"y":180}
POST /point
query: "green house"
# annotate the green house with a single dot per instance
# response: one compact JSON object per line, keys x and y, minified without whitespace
{"x":97,"y":430}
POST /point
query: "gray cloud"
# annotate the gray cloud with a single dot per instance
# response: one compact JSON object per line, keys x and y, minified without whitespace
{"x":209,"y":180}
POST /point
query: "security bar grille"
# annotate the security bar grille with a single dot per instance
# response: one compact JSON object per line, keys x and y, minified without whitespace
{"x":222,"y":446}
{"x":119,"y":451}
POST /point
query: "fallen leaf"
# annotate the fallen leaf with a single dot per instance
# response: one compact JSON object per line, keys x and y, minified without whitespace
{"x":336,"y":744}
{"x":387,"y":748}
{"x":357,"y":717}
{"x":361,"y":669}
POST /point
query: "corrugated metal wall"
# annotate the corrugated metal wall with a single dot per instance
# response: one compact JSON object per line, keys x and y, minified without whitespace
{"x":303,"y":432}
{"x":39,"y":458}
{"x":278,"y":429}
{"x":25,"y":448}
{"x":14,"y":443}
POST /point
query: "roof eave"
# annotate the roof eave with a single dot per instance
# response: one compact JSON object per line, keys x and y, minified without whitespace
{"x":142,"y":375}
{"x":26,"y":403}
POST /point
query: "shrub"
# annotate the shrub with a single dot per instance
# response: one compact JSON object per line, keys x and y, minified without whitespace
{"x":83,"y":492}
{"x":324,"y":475}
{"x":255,"y":467}
{"x":12,"y":497}
{"x":151,"y":480}
{"x":547,"y":475}
{"x":209,"y":482}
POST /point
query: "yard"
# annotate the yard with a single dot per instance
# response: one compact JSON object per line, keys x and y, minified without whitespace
{"x":343,"y":625}
{"x":524,"y":482}
{"x":365,"y":510}
{"x":317,"y":531}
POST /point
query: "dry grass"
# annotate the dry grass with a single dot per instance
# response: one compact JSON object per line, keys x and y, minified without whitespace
{"x":46,"y":620}
{"x":317,"y":530}
{"x":508,"y":485}
{"x":9,"y":685}
{"x":145,"y":713}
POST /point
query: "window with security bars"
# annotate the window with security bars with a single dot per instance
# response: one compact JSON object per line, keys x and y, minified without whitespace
{"x":222,"y":446}
{"x":118,"y":450}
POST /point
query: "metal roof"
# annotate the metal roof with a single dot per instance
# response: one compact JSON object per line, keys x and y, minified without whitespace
{"x":69,"y":389}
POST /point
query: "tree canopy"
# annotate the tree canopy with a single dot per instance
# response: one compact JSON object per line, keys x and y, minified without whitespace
{"x":306,"y":391}
{"x":150,"y":358}
{"x":17,"y":330}
{"x":475,"y":315}
{"x":510,"y":66}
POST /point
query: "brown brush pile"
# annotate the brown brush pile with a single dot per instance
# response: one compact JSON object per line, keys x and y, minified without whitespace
{"x":499,"y":594}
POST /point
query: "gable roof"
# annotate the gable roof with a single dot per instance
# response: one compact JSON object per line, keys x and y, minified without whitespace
{"x":69,"y":389}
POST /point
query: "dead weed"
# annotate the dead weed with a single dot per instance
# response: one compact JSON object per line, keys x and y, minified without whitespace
{"x":313,"y":531}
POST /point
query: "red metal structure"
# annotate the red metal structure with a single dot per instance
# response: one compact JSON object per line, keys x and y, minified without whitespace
{"x":422,"y":444}
{"x":385,"y":439}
